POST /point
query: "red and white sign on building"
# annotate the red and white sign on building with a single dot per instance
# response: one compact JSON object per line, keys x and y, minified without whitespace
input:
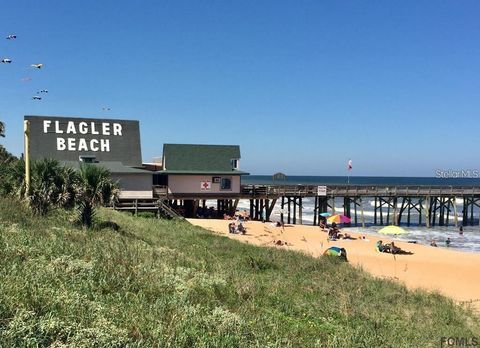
{"x":205,"y":185}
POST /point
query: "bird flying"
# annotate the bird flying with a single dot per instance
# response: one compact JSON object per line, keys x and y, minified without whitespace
{"x":11,"y":37}
{"x":36,"y":97}
{"x":106,"y":108}
{"x":42,"y":91}
{"x":36,"y":66}
{"x":6,"y":60}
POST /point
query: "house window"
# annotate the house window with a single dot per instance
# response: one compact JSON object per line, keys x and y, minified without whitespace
{"x":226,"y":184}
{"x":234,"y":163}
{"x":87,"y":159}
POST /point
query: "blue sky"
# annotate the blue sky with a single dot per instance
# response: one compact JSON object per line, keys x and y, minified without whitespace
{"x":301,"y":86}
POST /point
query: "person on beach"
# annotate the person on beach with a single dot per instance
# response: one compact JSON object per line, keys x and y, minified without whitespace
{"x":280,"y":224}
{"x":231,"y":227}
{"x":380,"y":247}
{"x":433,"y":243}
{"x":460,"y":230}
{"x":264,"y":216}
{"x":241,"y":229}
{"x":448,"y":242}
{"x":333,"y":232}
{"x":323,"y":223}
{"x":394,"y":249}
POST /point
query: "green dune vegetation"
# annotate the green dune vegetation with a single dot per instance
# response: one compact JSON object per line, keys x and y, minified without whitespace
{"x":140,"y":281}
{"x":76,"y":274}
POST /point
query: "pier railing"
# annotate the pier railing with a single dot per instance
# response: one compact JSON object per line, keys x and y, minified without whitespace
{"x":358,"y":190}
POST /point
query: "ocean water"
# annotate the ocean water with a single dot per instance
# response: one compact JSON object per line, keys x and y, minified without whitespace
{"x":469,"y":241}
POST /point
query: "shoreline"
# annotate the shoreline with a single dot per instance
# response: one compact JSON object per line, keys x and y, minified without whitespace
{"x":451,"y":273}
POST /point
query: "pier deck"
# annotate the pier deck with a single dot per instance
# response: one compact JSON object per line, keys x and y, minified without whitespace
{"x":432,"y":204}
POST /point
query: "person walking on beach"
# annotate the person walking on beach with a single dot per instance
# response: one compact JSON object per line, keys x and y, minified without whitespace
{"x":264,"y":216}
{"x":448,"y":241}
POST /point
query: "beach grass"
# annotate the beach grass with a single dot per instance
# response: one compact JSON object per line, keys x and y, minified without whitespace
{"x":147,"y":282}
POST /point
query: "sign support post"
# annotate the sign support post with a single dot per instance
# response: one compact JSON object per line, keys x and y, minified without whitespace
{"x":26,"y":129}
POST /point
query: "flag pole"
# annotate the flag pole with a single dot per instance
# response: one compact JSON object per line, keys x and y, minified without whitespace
{"x":349,"y":168}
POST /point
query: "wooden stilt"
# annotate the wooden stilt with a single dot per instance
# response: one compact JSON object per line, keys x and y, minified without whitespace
{"x":289,"y":202}
{"x":294,"y":210}
{"x":388,"y":211}
{"x":381,"y":211}
{"x":300,"y":210}
{"x":269,"y":208}
{"x":427,"y":211}
{"x":471,"y":211}
{"x":355,"y":211}
{"x":361,"y":212}
{"x":420,"y":202}
{"x":455,"y":215}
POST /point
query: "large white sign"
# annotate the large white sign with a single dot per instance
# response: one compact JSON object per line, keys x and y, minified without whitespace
{"x":321,"y":190}
{"x":82,"y":144}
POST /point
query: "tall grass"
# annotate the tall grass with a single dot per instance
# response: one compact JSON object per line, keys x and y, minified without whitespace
{"x":169,"y":284}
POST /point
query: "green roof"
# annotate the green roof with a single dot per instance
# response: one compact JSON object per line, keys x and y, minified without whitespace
{"x":112,"y":167}
{"x":200,"y":159}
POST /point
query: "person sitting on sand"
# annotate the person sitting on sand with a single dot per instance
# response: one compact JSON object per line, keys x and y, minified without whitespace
{"x":433,"y":243}
{"x":382,"y":248}
{"x":333,"y":233}
{"x":231,"y":227}
{"x":448,"y":241}
{"x":241,"y":229}
{"x":394,"y":249}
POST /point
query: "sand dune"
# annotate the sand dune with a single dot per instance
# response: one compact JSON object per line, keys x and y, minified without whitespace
{"x":451,"y":273}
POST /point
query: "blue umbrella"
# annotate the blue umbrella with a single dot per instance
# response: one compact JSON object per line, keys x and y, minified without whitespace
{"x":325,"y":214}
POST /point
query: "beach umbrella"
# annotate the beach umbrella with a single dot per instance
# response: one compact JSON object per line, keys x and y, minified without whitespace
{"x":325,"y":214}
{"x":338,"y":219}
{"x":392,"y":230}
{"x":336,"y":251}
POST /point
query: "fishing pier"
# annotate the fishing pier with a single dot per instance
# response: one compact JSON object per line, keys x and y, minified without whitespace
{"x":430,"y":205}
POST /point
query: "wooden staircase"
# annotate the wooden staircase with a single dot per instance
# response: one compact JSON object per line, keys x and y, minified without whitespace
{"x":158,"y":206}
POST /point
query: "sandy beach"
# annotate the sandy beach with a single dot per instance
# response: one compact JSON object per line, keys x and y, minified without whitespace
{"x":452,"y":273}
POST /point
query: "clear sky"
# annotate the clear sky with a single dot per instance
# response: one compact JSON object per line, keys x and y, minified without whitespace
{"x":301,"y":86}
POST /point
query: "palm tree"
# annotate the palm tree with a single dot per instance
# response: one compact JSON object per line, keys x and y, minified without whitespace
{"x":2,"y":129}
{"x":95,"y":188}
{"x":12,"y":176}
{"x":52,"y":185}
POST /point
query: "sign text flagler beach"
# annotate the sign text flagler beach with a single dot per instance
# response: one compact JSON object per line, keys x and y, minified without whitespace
{"x":69,"y":138}
{"x":82,"y":144}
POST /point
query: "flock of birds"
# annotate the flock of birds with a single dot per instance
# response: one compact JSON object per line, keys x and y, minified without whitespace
{"x":41,"y":93}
